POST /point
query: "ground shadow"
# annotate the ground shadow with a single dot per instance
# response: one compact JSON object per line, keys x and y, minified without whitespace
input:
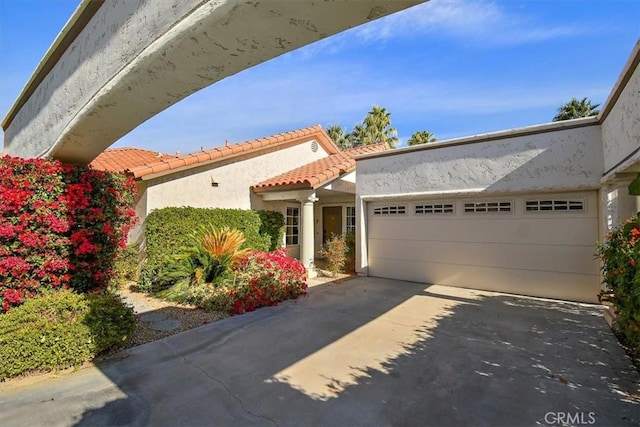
{"x":378,"y":352}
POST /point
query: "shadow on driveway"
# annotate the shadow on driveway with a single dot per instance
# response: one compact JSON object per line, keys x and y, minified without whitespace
{"x":367,"y":352}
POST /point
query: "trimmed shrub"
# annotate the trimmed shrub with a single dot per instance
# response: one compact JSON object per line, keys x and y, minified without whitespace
{"x":166,"y":234}
{"x":335,"y":253}
{"x":125,"y":268}
{"x":61,"y":329}
{"x":272,"y":224}
{"x":620,"y":256}
{"x":60,"y":226}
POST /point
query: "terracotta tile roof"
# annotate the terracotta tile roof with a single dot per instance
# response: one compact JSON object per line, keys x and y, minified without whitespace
{"x":127,"y":158}
{"x":175,"y":163}
{"x":320,"y":172}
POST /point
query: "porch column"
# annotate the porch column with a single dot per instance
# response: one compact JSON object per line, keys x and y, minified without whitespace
{"x":307,"y":244}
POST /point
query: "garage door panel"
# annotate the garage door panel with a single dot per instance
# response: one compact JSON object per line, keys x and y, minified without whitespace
{"x":495,"y":229}
{"x":546,"y":253}
{"x":567,"y":286}
{"x":565,"y":259}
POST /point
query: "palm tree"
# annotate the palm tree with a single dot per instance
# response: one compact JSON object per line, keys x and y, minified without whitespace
{"x":340,"y":136}
{"x":575,"y":109}
{"x":358,"y":136}
{"x":376,"y":127}
{"x":421,"y":137}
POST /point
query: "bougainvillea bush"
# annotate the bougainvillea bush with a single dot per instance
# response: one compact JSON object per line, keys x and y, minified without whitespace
{"x":262,"y":279}
{"x":620,"y":256}
{"x":60,"y":226}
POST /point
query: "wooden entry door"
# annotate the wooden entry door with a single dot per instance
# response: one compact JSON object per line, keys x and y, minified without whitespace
{"x":331,"y":222}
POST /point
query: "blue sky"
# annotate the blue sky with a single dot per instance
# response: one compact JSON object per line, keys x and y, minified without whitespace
{"x":451,"y":67}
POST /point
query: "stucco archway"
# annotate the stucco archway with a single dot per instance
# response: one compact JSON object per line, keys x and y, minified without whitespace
{"x":116,"y":64}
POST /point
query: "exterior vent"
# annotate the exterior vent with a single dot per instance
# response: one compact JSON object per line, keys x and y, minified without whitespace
{"x":435,"y":208}
{"x":314,"y":146}
{"x":488,"y":207}
{"x":575,"y":205}
{"x":390,"y":210}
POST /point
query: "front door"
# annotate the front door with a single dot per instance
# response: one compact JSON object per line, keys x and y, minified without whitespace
{"x":331,"y":222}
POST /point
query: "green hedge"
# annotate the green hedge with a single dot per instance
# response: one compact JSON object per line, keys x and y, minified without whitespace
{"x":61,"y":329}
{"x":272,"y":224}
{"x":166,"y":234}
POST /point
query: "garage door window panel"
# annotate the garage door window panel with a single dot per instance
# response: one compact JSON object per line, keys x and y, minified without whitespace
{"x":434,"y":208}
{"x":554,"y":205}
{"x":503,"y":206}
{"x":390,"y":210}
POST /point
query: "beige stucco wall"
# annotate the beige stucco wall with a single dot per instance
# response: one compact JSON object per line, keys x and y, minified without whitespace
{"x":561,"y":159}
{"x":135,"y":235}
{"x":621,"y":127}
{"x":193,"y":187}
{"x":621,"y":141}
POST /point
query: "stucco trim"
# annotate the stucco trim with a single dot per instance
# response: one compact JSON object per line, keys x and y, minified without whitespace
{"x":74,"y":26}
{"x":490,"y":137}
{"x":621,"y":83}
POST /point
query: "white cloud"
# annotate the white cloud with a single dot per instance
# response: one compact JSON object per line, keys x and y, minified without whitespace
{"x":477,"y":22}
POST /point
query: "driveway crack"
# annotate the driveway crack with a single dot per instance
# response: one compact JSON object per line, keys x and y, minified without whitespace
{"x":222,"y":383}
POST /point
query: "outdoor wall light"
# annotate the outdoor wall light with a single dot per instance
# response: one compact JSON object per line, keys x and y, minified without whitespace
{"x":214,"y":183}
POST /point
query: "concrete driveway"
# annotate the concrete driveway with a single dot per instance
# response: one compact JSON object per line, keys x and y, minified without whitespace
{"x":367,"y":352}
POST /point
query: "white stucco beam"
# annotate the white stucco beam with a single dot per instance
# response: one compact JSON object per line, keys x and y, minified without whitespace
{"x":287,"y":195}
{"x":629,"y":168}
{"x":473,"y":192}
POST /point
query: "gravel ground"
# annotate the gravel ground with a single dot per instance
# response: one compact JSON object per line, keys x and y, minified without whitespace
{"x":154,"y":315}
{"x":156,"y":318}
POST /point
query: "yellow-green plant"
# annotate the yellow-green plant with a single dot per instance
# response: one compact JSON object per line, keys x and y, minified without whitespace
{"x":224,"y":246}
{"x":212,"y":252}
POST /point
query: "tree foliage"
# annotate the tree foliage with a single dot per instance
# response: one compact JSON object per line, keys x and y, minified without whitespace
{"x":339,"y":135}
{"x":421,"y":137}
{"x":374,"y":128}
{"x":575,"y":109}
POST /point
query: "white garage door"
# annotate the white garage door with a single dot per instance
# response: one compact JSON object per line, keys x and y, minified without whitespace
{"x":540,"y":245}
